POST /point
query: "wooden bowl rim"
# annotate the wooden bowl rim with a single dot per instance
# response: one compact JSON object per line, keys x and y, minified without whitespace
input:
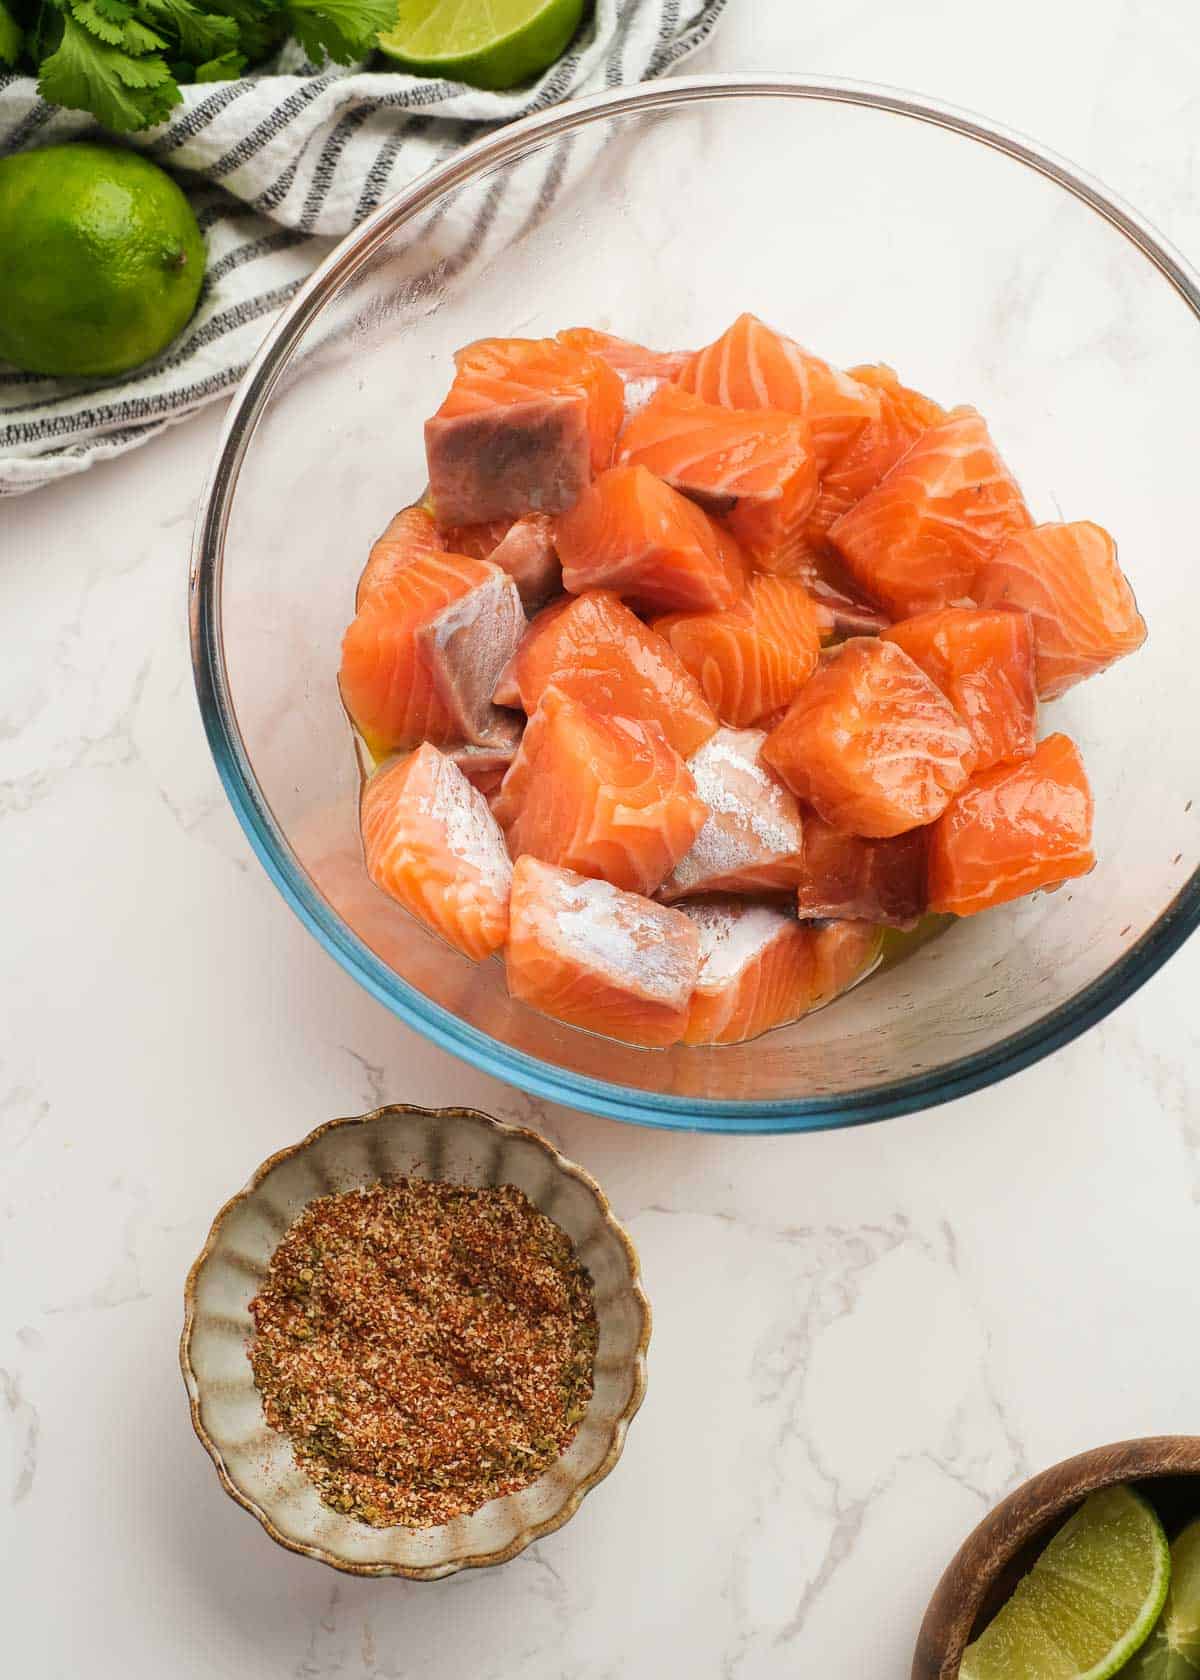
{"x":959,"y":1594}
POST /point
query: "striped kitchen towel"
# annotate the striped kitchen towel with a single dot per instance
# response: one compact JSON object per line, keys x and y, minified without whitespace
{"x":283,"y":164}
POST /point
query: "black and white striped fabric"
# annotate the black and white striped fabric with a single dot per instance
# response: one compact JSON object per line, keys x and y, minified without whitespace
{"x":284,"y":164}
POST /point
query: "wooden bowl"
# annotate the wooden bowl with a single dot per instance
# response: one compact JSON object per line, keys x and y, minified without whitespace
{"x":990,"y":1562}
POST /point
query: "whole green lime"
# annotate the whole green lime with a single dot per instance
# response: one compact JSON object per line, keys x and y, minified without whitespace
{"x":101,"y":260}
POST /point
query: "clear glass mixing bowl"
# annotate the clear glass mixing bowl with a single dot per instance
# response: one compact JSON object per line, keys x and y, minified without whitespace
{"x":871,"y":226}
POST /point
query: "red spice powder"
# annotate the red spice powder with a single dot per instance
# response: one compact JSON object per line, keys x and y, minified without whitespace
{"x":426,"y":1347}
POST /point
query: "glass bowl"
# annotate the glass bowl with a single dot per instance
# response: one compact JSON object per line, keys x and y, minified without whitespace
{"x":872,"y":226}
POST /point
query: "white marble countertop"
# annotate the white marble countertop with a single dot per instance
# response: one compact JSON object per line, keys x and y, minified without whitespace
{"x":861,"y":1340}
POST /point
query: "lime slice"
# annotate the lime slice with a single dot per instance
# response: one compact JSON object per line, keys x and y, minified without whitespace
{"x":1172,"y":1651}
{"x":489,"y":43}
{"x":1089,"y":1602}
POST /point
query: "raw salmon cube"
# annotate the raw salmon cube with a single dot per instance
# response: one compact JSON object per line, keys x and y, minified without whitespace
{"x":521,"y":430}
{"x":756,"y":465}
{"x":630,"y":360}
{"x":642,"y":371}
{"x":527,"y":553}
{"x":754,"y":657}
{"x":611,"y":962}
{"x":511,"y":459}
{"x":410,"y":533}
{"x":593,"y":649}
{"x":916,"y":542}
{"x":752,"y":839}
{"x":1015,"y":828}
{"x":757,"y":971}
{"x":753,"y":366}
{"x":388,"y":685}
{"x":843,"y":876}
{"x":431,"y":843}
{"x":467,"y":644}
{"x":498,"y":371}
{"x":607,"y":796}
{"x":1067,"y":579}
{"x":632,"y":533}
{"x":843,"y":954}
{"x":983,"y":663}
{"x":524,"y":548}
{"x":903,"y":416}
{"x":872,"y":742}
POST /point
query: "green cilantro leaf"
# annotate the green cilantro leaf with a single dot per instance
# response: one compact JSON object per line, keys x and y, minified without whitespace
{"x":344,"y":30}
{"x":11,"y":36}
{"x":123,"y":92}
{"x":106,"y":24}
{"x":227,"y":68}
{"x":262,"y":25}
{"x":199,"y":35}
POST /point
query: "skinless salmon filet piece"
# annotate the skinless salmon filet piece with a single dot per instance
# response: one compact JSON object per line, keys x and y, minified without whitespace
{"x":431,"y":843}
{"x":904,"y":415}
{"x":410,"y":534}
{"x":632,"y":533}
{"x":755,"y":465}
{"x":611,"y":962}
{"x":755,"y":656}
{"x":642,"y":371}
{"x":606,"y":796}
{"x":753,"y":366}
{"x":524,"y":548}
{"x":916,"y":542}
{"x":845,"y":877}
{"x":386,"y":682}
{"x":1066,"y":577}
{"x":1014,"y":829}
{"x":982,"y":660}
{"x":757,"y":971}
{"x":752,"y":839}
{"x":522,"y":429}
{"x":872,"y":743}
{"x":594,"y":650}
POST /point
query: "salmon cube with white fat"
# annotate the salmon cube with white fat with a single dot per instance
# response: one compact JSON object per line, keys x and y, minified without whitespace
{"x":752,"y":838}
{"x":431,"y":843}
{"x":612,"y":962}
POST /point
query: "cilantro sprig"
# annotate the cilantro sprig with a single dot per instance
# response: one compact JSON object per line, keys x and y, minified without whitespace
{"x":124,"y":60}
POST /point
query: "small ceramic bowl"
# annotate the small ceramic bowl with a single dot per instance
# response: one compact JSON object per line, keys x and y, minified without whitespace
{"x":994,"y":1557}
{"x":255,"y":1463}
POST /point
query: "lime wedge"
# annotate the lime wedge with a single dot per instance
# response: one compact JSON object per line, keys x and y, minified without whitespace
{"x":489,"y":43}
{"x":1172,"y":1651}
{"x":1089,"y":1602}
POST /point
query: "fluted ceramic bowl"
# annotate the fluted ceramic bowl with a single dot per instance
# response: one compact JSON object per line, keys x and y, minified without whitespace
{"x":255,"y":1463}
{"x":873,"y":226}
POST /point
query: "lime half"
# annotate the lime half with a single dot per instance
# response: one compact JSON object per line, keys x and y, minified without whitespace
{"x":1089,"y":1602}
{"x":1172,"y":1651}
{"x":489,"y":43}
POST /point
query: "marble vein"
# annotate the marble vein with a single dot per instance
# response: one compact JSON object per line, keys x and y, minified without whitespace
{"x":24,"y":1427}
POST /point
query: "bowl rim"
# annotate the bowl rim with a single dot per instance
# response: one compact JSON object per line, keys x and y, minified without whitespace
{"x":620,"y":1428}
{"x":1016,"y":1519}
{"x":878,"y":1101}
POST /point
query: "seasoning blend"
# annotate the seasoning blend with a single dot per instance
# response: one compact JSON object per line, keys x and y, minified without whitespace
{"x":426,"y":1347}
